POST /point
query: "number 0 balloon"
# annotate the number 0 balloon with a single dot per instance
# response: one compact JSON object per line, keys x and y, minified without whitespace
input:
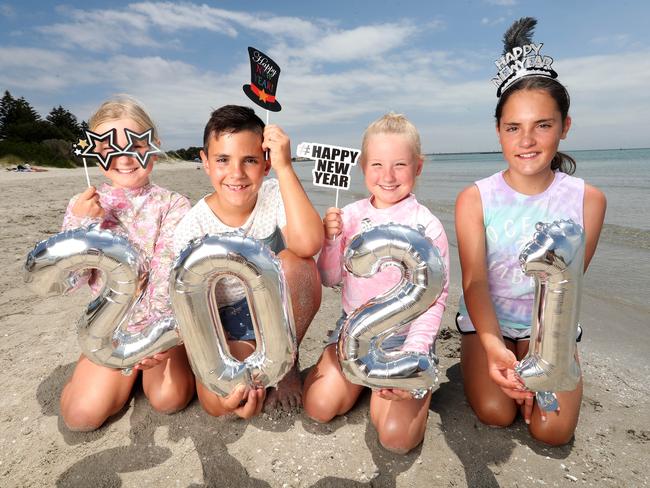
{"x":51,"y":269}
{"x":362,"y":358}
{"x":196,"y":272}
{"x":555,"y":258}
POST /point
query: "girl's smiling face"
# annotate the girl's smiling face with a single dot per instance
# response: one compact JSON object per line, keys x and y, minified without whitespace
{"x":125,"y":171}
{"x":529,"y":131}
{"x":390,"y":168}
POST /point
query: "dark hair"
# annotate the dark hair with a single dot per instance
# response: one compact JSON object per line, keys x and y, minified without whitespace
{"x":231,"y":119}
{"x":561,"y":162}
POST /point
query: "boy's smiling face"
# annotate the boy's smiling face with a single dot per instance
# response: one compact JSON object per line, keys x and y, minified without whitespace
{"x":236,"y":166}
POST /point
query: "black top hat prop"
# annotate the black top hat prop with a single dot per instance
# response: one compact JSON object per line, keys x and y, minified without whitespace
{"x":264,"y":80}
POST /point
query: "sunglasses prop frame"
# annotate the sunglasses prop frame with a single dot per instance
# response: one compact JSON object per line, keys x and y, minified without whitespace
{"x":87,"y":148}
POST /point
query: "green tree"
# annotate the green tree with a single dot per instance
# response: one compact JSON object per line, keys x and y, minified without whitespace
{"x":65,"y":122}
{"x":6,"y":104}
{"x":13,"y":112}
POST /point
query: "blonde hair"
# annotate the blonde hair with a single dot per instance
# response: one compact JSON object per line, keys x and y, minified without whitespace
{"x":392,"y":123}
{"x":123,"y":107}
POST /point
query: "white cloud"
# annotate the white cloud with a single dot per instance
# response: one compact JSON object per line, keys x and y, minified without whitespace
{"x":173,"y":17}
{"x":42,"y":70}
{"x":378,"y":68}
{"x":502,"y":3}
{"x":361,"y":42}
{"x":177,"y":16}
{"x":614,"y":40}
{"x":607,"y":96}
{"x":137,"y":25}
{"x":99,"y":30}
{"x":491,"y":22}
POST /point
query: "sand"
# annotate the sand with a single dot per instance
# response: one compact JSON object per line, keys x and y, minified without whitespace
{"x":141,"y":447}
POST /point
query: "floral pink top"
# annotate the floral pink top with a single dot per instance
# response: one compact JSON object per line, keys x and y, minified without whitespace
{"x":148,"y":215}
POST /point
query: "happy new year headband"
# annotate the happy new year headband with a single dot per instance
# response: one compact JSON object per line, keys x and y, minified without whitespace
{"x":521,"y":56}
{"x":103,"y":147}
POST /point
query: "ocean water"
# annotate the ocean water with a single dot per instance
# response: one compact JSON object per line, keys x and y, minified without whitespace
{"x":623,"y":175}
{"x":620,"y":269}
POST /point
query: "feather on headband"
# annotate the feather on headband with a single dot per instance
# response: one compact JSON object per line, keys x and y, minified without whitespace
{"x":521,"y":56}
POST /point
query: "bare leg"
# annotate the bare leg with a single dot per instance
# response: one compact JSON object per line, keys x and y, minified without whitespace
{"x":305,"y":290}
{"x":400,"y":424}
{"x":170,"y":385}
{"x":211,"y":402}
{"x":491,"y":405}
{"x":558,"y":428}
{"x":327,"y":392}
{"x":93,"y":394}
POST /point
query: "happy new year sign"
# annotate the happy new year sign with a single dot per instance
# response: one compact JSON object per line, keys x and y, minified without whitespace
{"x":332,"y":163}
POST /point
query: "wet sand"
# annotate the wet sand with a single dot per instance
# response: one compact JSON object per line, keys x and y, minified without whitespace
{"x":140,"y":447}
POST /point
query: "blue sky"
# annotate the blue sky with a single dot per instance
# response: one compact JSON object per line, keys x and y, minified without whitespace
{"x":344,"y":63}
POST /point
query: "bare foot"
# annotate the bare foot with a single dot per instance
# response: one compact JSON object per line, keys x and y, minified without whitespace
{"x":287,"y":395}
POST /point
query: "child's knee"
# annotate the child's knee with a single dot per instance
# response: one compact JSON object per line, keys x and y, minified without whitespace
{"x":80,"y":417}
{"x":496,"y":413}
{"x":396,"y":437}
{"x":211,"y":403}
{"x":171,"y":400}
{"x":552,"y":434}
{"x":318,"y":407}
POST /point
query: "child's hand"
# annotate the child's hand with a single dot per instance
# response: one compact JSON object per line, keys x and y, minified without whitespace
{"x":501,"y":368}
{"x":333,"y":223}
{"x":87,"y":205}
{"x":527,"y":408}
{"x":527,"y":405}
{"x":245,"y":402}
{"x":277,"y":143}
{"x":394,"y":394}
{"x":152,"y":361}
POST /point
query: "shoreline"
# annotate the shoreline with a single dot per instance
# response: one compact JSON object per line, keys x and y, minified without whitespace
{"x":139,"y":446}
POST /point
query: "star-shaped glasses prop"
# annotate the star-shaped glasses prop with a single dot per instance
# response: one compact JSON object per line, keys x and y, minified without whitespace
{"x":103,"y":147}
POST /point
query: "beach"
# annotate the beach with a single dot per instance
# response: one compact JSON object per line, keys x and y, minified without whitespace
{"x":140,"y":447}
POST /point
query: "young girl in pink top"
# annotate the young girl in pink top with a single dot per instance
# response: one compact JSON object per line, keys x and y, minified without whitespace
{"x":391,"y":160}
{"x":149,"y":214}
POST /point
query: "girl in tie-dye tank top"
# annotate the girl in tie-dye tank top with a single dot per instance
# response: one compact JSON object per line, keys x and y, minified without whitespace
{"x":495,"y":218}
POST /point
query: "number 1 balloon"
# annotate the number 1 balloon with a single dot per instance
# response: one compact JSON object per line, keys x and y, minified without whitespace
{"x":192,"y":284}
{"x":555,"y":259}
{"x":52,"y":268}
{"x":361,"y":356}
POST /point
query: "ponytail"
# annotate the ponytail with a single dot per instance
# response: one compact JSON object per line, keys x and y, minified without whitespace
{"x":563,"y":163}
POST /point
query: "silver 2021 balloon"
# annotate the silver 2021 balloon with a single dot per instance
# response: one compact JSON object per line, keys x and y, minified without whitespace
{"x":555,"y":258}
{"x":362,"y":358}
{"x":53,"y":266}
{"x":196,"y":272}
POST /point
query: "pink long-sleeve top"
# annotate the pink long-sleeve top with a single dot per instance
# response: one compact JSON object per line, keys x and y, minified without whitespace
{"x":148,"y":215}
{"x":356,"y":291}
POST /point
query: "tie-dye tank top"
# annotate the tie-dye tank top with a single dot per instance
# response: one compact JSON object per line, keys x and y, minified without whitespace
{"x":509,"y":218}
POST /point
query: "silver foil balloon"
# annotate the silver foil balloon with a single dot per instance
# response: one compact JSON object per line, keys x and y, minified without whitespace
{"x":555,"y":259}
{"x":360,"y":352}
{"x":52,"y":268}
{"x":196,"y":272}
